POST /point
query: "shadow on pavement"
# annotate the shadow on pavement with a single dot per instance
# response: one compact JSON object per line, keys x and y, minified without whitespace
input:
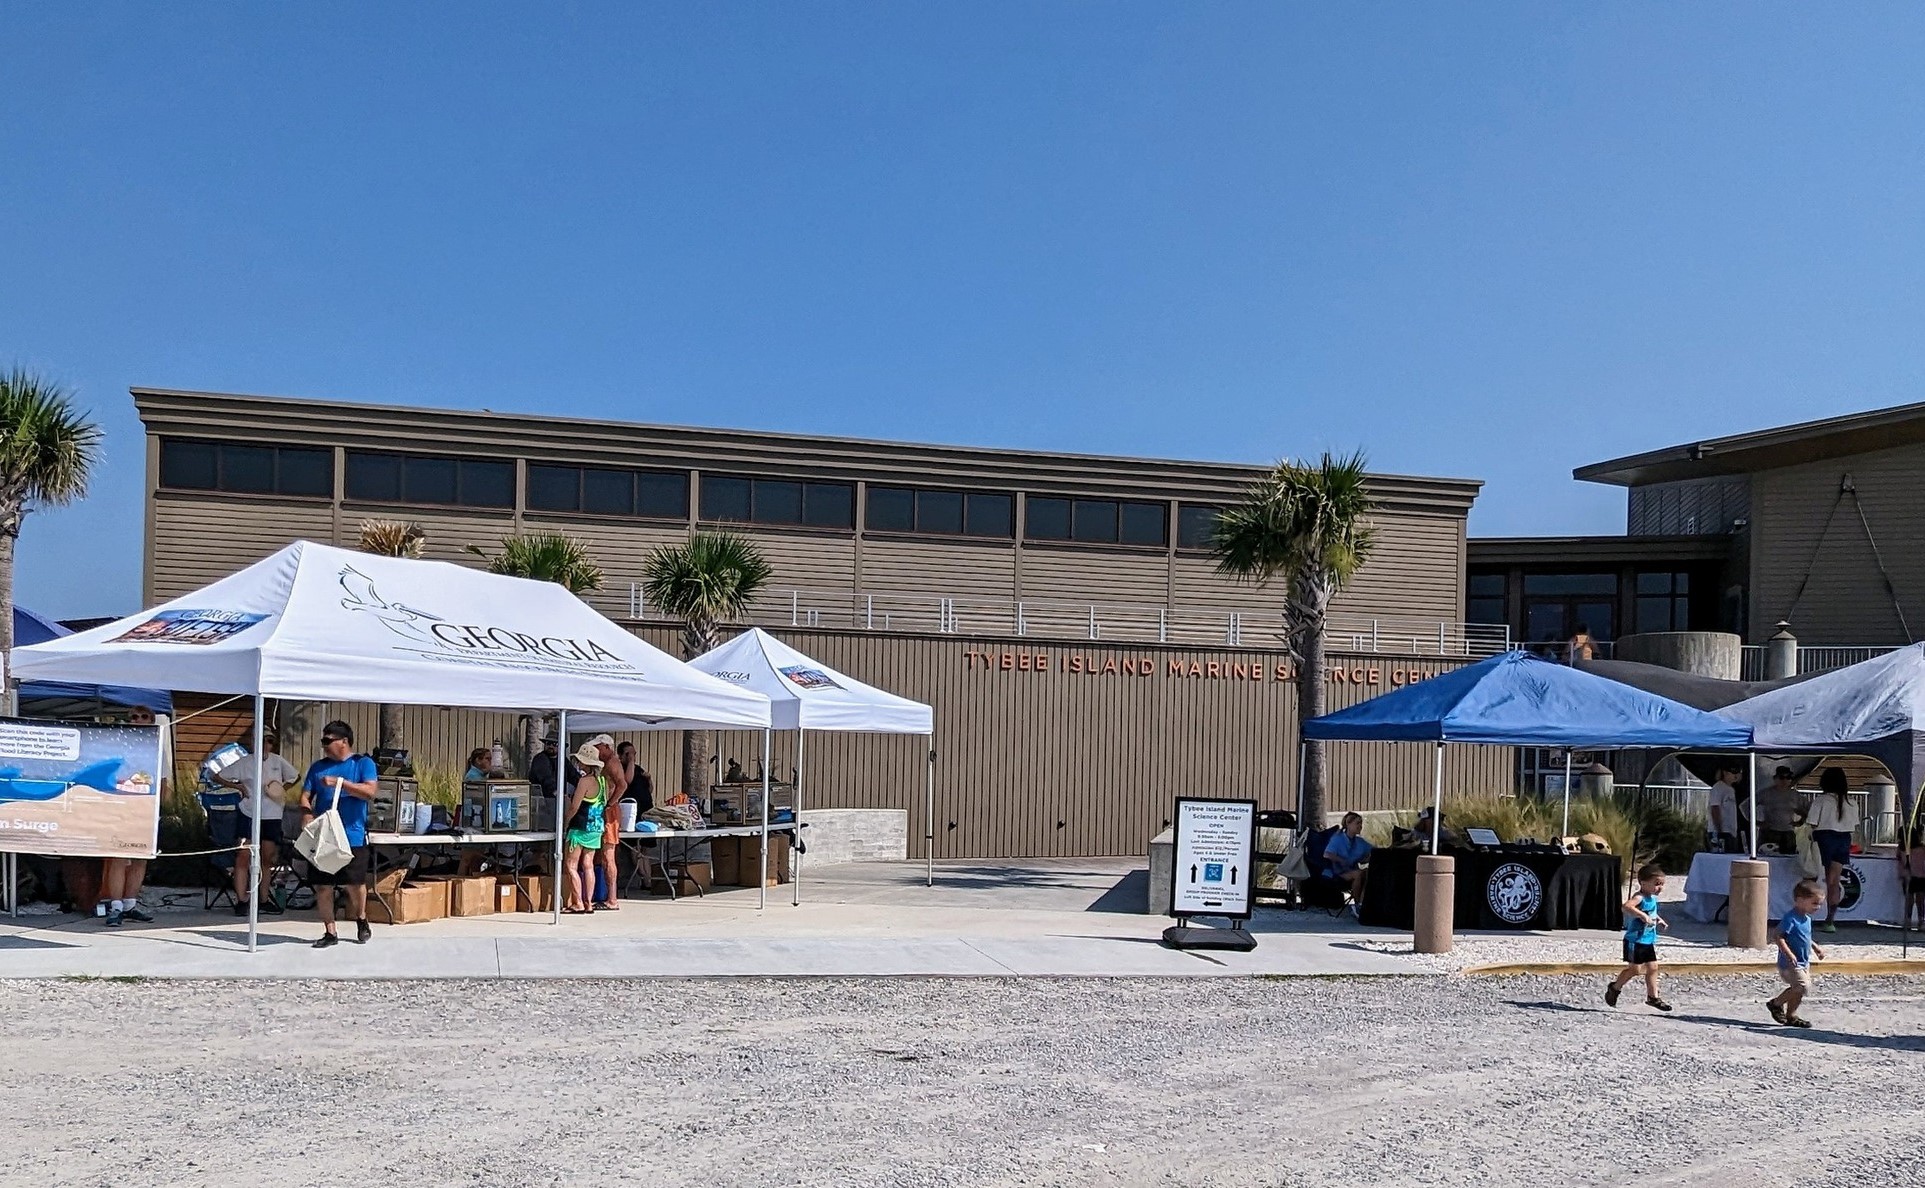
{"x":1127,"y":898}
{"x":28,"y":942}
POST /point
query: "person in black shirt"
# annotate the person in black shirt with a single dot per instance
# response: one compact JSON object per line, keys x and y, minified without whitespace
{"x":541,"y":771}
{"x":641,"y":785}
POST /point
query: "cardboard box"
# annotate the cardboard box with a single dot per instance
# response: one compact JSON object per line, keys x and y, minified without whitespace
{"x":505,"y":895}
{"x":470,"y":895}
{"x":738,"y":860}
{"x":693,"y":877}
{"x":533,"y":892}
{"x":398,"y":902}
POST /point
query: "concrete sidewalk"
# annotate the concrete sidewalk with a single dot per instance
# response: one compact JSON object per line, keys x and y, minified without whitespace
{"x":1038,"y":919}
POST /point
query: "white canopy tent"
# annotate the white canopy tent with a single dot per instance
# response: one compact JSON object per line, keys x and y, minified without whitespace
{"x":805,"y":695}
{"x":319,"y":623}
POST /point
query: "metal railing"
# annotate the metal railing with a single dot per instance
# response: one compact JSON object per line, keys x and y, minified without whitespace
{"x":1813,"y":659}
{"x":924,"y":614}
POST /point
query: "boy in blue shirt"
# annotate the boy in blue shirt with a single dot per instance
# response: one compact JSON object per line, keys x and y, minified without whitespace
{"x":1641,"y":925}
{"x":347,"y":781}
{"x":1795,"y":951}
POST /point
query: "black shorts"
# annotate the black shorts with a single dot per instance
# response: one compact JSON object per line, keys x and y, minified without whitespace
{"x":270,"y":830}
{"x":1637,"y":954}
{"x":1917,"y":884}
{"x":354,"y":874}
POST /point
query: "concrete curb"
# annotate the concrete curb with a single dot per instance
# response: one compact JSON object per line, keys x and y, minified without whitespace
{"x":1855,"y":968}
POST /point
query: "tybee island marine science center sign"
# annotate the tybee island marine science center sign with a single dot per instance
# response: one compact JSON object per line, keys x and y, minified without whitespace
{"x":1165,"y":667}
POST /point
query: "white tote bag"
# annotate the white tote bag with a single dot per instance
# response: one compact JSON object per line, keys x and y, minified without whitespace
{"x":324,"y":842}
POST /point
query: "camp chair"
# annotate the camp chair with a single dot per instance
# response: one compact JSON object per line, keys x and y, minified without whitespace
{"x":1275,"y":819}
{"x":1321,"y":891}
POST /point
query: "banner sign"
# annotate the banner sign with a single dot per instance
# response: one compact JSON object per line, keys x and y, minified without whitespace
{"x":79,"y":790}
{"x":1215,"y":848}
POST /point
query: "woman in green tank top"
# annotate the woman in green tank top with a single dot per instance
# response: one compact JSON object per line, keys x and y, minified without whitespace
{"x":584,"y":836}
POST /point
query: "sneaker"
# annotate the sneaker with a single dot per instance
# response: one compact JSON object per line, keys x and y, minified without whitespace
{"x":138,"y":915}
{"x":1657,"y":1004}
{"x":113,"y":917}
{"x":1777,"y":1010}
{"x":269,"y":907}
{"x":1797,"y":1021}
{"x":1611,"y":993}
{"x":240,"y":908}
{"x":1828,"y":926}
{"x":362,"y":932}
{"x":328,"y":940}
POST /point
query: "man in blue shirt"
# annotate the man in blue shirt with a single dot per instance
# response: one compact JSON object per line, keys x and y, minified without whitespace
{"x":1344,"y":855}
{"x":343,"y":780}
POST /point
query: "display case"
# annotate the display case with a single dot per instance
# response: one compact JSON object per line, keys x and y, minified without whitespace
{"x":741,"y":804}
{"x":496,"y":806}
{"x":392,"y":809}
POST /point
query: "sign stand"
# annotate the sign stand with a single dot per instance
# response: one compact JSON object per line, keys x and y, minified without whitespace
{"x":1214,"y":867}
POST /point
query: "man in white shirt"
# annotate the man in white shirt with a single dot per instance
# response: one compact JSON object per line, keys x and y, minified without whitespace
{"x":278,"y":775}
{"x":1722,"y":814}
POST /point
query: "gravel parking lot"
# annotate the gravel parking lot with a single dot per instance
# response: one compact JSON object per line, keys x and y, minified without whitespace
{"x":928,"y":1082}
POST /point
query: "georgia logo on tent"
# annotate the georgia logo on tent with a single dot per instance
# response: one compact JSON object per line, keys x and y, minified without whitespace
{"x":189,"y":627}
{"x":404,"y":621}
{"x":803,"y":677}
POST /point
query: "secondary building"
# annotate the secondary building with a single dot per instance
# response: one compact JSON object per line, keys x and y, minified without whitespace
{"x":1060,"y":611}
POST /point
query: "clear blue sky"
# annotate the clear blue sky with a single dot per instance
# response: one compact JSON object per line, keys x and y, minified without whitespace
{"x":1487,"y":240}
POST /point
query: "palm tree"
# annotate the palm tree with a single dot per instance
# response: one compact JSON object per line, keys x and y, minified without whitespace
{"x":705,"y":582}
{"x":392,"y":538}
{"x":47,"y":449}
{"x":544,"y":557}
{"x":1310,"y":526}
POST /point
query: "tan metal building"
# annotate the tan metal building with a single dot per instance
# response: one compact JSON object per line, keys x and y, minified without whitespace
{"x":1085,"y":662}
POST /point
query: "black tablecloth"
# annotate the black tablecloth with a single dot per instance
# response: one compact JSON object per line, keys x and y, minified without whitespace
{"x":1498,"y":890}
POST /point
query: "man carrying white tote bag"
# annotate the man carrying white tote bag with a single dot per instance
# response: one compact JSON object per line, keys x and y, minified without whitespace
{"x":335,"y":797}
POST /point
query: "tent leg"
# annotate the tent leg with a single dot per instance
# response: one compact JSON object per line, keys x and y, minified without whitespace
{"x":929,"y":816}
{"x":762,"y":884}
{"x":1751,"y":794}
{"x":254,"y":831}
{"x":1437,"y":802}
{"x":795,"y":859}
{"x":561,"y":808}
{"x":1567,"y":794}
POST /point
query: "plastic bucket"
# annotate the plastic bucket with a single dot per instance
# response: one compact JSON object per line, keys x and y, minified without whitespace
{"x":627,"y":811}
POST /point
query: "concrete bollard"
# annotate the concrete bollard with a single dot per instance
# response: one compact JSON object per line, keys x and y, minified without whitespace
{"x":1436,"y":904}
{"x":1748,"y":912}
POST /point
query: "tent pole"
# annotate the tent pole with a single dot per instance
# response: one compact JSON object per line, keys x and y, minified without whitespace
{"x":561,"y":806}
{"x":1437,"y":803}
{"x":1567,"y":794}
{"x":929,"y":814}
{"x":762,"y":884}
{"x":795,"y":859}
{"x":254,"y":832}
{"x":1751,"y":794}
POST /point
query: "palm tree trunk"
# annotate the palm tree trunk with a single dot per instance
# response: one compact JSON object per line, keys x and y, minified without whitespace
{"x":9,"y":537}
{"x":390,"y":732}
{"x":697,"y":637}
{"x":1306,"y":611}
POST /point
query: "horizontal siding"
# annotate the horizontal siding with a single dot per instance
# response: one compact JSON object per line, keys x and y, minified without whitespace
{"x":199,"y":539}
{"x":1041,"y":763}
{"x":1094,"y":576}
{"x":1198,"y":584}
{"x":1846,"y":601}
{"x":1415,"y":571}
{"x":939,"y":568}
{"x":809,"y":563}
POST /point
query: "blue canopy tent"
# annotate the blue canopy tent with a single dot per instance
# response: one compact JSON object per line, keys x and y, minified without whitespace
{"x":1519,"y":700}
{"x":64,"y":699}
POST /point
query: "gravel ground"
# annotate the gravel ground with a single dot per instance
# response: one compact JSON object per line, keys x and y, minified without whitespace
{"x":1518,"y":1081}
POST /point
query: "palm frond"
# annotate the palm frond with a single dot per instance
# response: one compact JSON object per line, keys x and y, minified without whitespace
{"x":48,"y":447}
{"x":1302,"y":521}
{"x":546,"y":557}
{"x":392,"y":538}
{"x":709,"y":579}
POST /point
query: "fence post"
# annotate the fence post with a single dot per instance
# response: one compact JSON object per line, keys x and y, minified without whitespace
{"x":869,"y":611}
{"x":1093,"y":633}
{"x":1162,"y":625}
{"x":1022,"y":627}
{"x":795,"y":606}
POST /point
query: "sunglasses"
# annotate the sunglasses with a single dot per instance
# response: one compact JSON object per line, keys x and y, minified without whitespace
{"x":328,"y":739}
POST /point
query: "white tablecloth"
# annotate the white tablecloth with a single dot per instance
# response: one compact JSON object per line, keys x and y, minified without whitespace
{"x":1871,"y":890}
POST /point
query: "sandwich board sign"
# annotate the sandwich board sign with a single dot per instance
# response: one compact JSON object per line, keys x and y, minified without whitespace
{"x":1215,"y":858}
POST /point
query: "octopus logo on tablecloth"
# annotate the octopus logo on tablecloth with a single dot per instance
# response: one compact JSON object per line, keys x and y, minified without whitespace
{"x":1514,"y":893}
{"x":1851,"y":887}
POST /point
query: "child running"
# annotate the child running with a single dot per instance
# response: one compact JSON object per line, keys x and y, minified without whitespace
{"x":1641,"y":925}
{"x":1795,"y":951}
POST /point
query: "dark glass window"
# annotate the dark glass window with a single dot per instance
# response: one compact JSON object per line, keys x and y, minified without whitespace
{"x":430,"y":478}
{"x":725,"y":498}
{"x":1145,"y":524}
{"x":608,"y":492}
{"x":1664,"y":602}
{"x":991,"y":515}
{"x":1485,"y":600}
{"x":939,"y":511}
{"x":829,"y":505}
{"x":1046,"y":519}
{"x":661,"y":495}
{"x":1196,"y":525}
{"x":1093,"y":520}
{"x":1571,"y":583}
{"x":554,"y":488}
{"x":890,"y":509}
{"x":776,"y":502}
{"x":246,"y":469}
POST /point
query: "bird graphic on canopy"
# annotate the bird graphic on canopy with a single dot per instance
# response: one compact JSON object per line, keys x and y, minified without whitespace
{"x":404,"y":621}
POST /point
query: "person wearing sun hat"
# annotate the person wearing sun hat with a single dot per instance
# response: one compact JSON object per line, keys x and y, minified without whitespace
{"x":585,"y":812}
